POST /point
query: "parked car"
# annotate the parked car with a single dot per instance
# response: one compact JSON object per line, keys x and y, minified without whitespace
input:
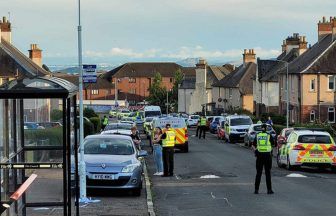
{"x":128,"y":122}
{"x":112,"y":161}
{"x":118,"y":128}
{"x":254,"y":130}
{"x":193,"y":120}
{"x":307,"y":148}
{"x":215,"y":122}
{"x":50,"y":124}
{"x":32,"y":126}
{"x":221,"y":130}
{"x":236,"y":126}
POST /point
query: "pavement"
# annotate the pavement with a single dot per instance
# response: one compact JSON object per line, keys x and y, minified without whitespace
{"x":217,"y":178}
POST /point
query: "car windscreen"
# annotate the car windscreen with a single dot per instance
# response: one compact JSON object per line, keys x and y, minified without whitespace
{"x":258,"y":128}
{"x":118,"y":126}
{"x":194,"y":117}
{"x":125,"y":111}
{"x":241,"y":121}
{"x":217,"y":119}
{"x":179,"y":123}
{"x":322,"y":139}
{"x":288,"y":132}
{"x":110,"y":146}
{"x":132,"y":115}
{"x":152,"y":113}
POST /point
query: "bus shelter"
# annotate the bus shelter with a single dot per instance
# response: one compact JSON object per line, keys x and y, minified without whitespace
{"x":35,"y":156}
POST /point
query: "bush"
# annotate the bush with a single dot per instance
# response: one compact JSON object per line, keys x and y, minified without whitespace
{"x":88,"y":128}
{"x":276,"y":118}
{"x":96,"y":123}
{"x":326,"y":127}
{"x":278,"y":128}
{"x":56,"y":115}
{"x":89,"y":113}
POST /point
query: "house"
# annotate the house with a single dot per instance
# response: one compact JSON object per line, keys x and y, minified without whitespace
{"x":265,"y":84}
{"x":312,"y":79}
{"x":235,"y":91}
{"x":195,"y":93}
{"x":134,"y":79}
{"x":16,"y":65}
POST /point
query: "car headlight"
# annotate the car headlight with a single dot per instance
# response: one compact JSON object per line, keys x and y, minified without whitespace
{"x":130,"y":168}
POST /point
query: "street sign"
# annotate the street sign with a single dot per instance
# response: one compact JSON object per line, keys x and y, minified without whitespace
{"x":89,"y":73}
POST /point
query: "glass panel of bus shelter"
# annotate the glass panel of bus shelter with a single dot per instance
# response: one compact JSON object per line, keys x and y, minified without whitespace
{"x":44,"y":127}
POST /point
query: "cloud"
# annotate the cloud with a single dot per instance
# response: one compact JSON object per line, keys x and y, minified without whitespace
{"x":181,"y":53}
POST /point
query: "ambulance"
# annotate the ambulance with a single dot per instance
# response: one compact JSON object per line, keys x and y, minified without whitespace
{"x":180,"y":127}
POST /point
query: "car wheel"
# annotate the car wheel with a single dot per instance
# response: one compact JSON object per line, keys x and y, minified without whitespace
{"x":186,"y":147}
{"x":333,"y":169}
{"x":136,"y":192}
{"x":288,"y":165}
{"x":278,"y":161}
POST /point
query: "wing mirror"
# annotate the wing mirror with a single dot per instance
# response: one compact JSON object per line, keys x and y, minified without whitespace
{"x":142,"y":153}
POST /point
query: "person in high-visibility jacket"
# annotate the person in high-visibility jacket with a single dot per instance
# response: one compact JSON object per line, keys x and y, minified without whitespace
{"x":105,"y":122}
{"x":262,"y":146}
{"x":203,"y":123}
{"x":168,"y":142}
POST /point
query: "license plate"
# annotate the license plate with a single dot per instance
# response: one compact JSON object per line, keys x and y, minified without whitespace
{"x":242,"y":135}
{"x":104,"y":176}
{"x":316,"y":152}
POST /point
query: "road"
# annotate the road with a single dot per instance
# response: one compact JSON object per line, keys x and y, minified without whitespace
{"x":232,"y":193}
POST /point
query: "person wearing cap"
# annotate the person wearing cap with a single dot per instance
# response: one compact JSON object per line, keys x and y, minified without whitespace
{"x":168,"y":142}
{"x":262,"y":147}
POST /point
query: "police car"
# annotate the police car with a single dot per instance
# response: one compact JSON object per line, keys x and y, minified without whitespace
{"x":307,"y":148}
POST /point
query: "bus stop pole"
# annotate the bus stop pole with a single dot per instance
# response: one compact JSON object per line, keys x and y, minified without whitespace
{"x":82,"y":168}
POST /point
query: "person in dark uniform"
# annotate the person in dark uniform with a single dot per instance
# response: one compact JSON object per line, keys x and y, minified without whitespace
{"x":262,"y":146}
{"x":168,"y":143}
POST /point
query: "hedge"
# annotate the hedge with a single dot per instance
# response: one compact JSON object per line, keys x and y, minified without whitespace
{"x":96,"y":123}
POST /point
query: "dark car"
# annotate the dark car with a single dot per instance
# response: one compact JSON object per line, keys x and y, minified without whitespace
{"x":214,"y":123}
{"x":252,"y":132}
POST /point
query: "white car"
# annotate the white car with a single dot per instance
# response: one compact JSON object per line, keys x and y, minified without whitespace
{"x":118,"y":128}
{"x":128,"y":122}
{"x":193,"y":120}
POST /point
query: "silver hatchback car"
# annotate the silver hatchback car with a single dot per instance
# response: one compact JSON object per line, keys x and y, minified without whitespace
{"x":112,"y":161}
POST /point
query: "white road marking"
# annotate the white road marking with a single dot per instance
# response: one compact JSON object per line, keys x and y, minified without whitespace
{"x":209,"y":177}
{"x":296,"y":175}
{"x":224,"y":198}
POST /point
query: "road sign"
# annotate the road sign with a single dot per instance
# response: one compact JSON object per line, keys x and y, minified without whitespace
{"x":89,"y":73}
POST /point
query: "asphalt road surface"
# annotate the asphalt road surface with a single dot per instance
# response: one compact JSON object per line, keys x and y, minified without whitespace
{"x":314,"y":193}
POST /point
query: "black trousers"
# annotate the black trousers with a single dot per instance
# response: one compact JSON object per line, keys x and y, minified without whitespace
{"x":197,"y":130}
{"x":264,"y":160}
{"x":168,"y":160}
{"x":202,"y":130}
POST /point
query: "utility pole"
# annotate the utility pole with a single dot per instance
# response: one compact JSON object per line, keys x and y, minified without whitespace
{"x":82,"y":168}
{"x":167,"y":103}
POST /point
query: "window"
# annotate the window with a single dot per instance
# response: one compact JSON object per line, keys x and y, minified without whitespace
{"x":94,"y":91}
{"x":171,"y":80}
{"x":132,"y":80}
{"x":331,"y":114}
{"x":331,"y":83}
{"x":312,"y":85}
{"x":312,"y":115}
{"x":230,"y":93}
{"x":132,"y":91}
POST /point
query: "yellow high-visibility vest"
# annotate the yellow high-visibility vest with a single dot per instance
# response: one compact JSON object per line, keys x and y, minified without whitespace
{"x":263,"y":142}
{"x":169,"y":141}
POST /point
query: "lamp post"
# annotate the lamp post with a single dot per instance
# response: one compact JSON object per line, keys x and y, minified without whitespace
{"x":287,"y":93}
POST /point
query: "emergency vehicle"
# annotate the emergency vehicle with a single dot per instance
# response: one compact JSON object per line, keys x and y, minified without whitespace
{"x":236,"y":126}
{"x":178,"y":125}
{"x":307,"y":148}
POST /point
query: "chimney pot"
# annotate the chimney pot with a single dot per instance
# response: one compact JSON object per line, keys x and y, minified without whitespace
{"x":323,"y":19}
{"x":4,"y":19}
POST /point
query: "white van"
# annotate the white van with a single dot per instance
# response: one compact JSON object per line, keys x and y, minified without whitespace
{"x":236,"y":126}
{"x":152,"y":111}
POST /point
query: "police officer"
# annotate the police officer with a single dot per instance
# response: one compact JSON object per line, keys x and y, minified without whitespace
{"x":262,"y":145}
{"x":202,"y":124}
{"x":105,"y":122}
{"x":168,"y":143}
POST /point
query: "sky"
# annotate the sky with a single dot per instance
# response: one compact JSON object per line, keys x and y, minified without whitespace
{"x":118,"y":31}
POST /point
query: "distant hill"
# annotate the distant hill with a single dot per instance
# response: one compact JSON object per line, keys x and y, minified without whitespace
{"x":74,"y":69}
{"x":188,"y":62}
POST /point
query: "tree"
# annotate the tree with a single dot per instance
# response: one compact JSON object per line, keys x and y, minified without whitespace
{"x":178,"y":77}
{"x":56,"y":115}
{"x":89,"y":113}
{"x":157,"y":93}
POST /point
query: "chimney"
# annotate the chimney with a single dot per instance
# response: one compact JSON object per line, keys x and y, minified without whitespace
{"x":333,"y":26}
{"x":6,"y":30}
{"x":324,"y":28}
{"x":249,"y":56}
{"x":201,"y":73}
{"x":201,"y":63}
{"x":294,"y":42}
{"x":35,"y":54}
{"x":302,"y":45}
